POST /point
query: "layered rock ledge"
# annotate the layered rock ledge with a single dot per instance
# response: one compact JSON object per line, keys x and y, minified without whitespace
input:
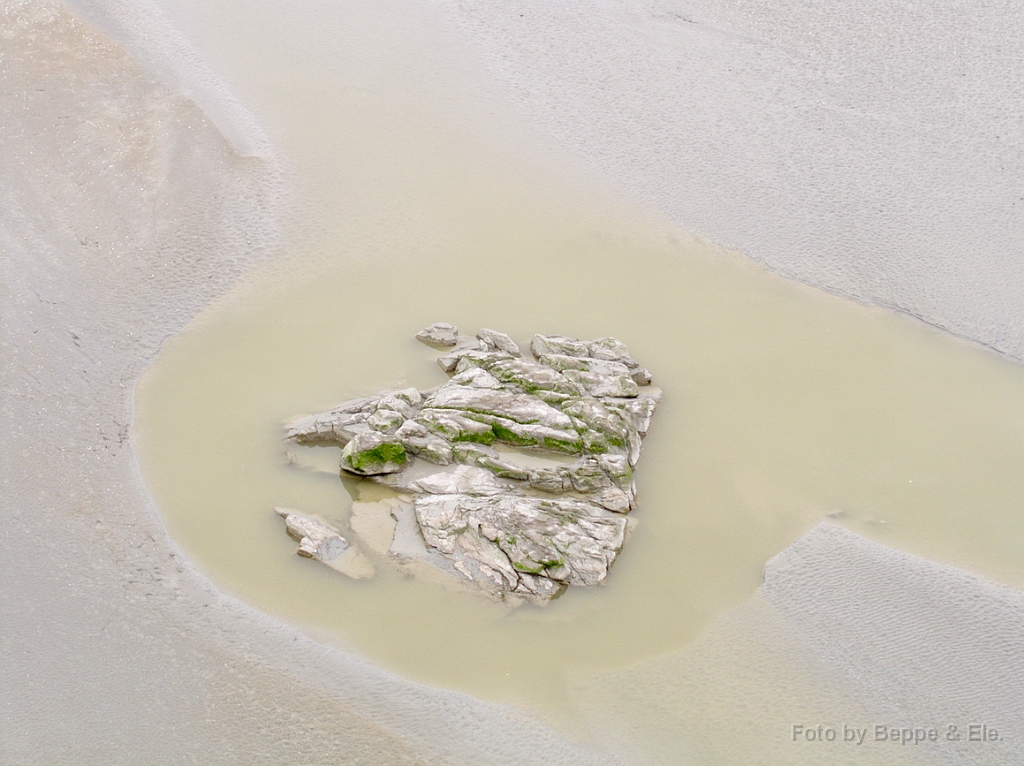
{"x":514,"y":477}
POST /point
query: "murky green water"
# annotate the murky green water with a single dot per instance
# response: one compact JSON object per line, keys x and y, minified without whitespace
{"x":782,"y":405}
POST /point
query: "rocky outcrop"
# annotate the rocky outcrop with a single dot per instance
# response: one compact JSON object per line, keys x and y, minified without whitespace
{"x":469,"y":503}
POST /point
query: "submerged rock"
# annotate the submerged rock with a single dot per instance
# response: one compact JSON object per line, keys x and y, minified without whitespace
{"x":320,"y":541}
{"x":471,"y":507}
{"x":439,"y":334}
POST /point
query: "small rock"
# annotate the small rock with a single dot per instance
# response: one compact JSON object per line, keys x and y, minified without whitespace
{"x":502,"y":468}
{"x":641,"y":376}
{"x":373,"y":453}
{"x":640,"y":409}
{"x":324,"y":543}
{"x":602,"y":349}
{"x":464,"y":347}
{"x":558,"y":344}
{"x":615,"y":499}
{"x":477,"y":377}
{"x":611,"y":423}
{"x":550,"y":480}
{"x":469,"y":453}
{"x":316,"y":539}
{"x":610,"y":349}
{"x":385,"y":421}
{"x":404,"y":401}
{"x":439,"y":334}
{"x":493,"y":340}
{"x":420,"y":442}
{"x":586,"y":475}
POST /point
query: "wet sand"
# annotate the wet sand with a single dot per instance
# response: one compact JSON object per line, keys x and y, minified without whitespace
{"x":124,"y":650}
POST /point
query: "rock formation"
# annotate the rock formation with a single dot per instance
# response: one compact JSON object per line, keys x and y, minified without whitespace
{"x":318,"y":540}
{"x":471,"y":500}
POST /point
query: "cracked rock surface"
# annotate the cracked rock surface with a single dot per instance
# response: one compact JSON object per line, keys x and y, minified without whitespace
{"x":472,"y":502}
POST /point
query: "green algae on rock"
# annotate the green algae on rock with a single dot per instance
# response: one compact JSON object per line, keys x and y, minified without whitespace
{"x":515,"y":532}
{"x":372,"y":453}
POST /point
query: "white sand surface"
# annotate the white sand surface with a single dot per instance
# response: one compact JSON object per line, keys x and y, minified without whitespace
{"x":918,"y":643}
{"x":873,"y":152}
{"x":873,"y":148}
{"x":844,"y":632}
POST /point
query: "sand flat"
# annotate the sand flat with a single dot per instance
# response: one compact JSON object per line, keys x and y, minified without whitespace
{"x":117,"y":648}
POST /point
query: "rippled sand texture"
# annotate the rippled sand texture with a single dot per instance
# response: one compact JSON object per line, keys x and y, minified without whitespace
{"x":783,"y":404}
{"x":872,"y":149}
{"x":845,"y":634}
{"x":402,"y":170}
